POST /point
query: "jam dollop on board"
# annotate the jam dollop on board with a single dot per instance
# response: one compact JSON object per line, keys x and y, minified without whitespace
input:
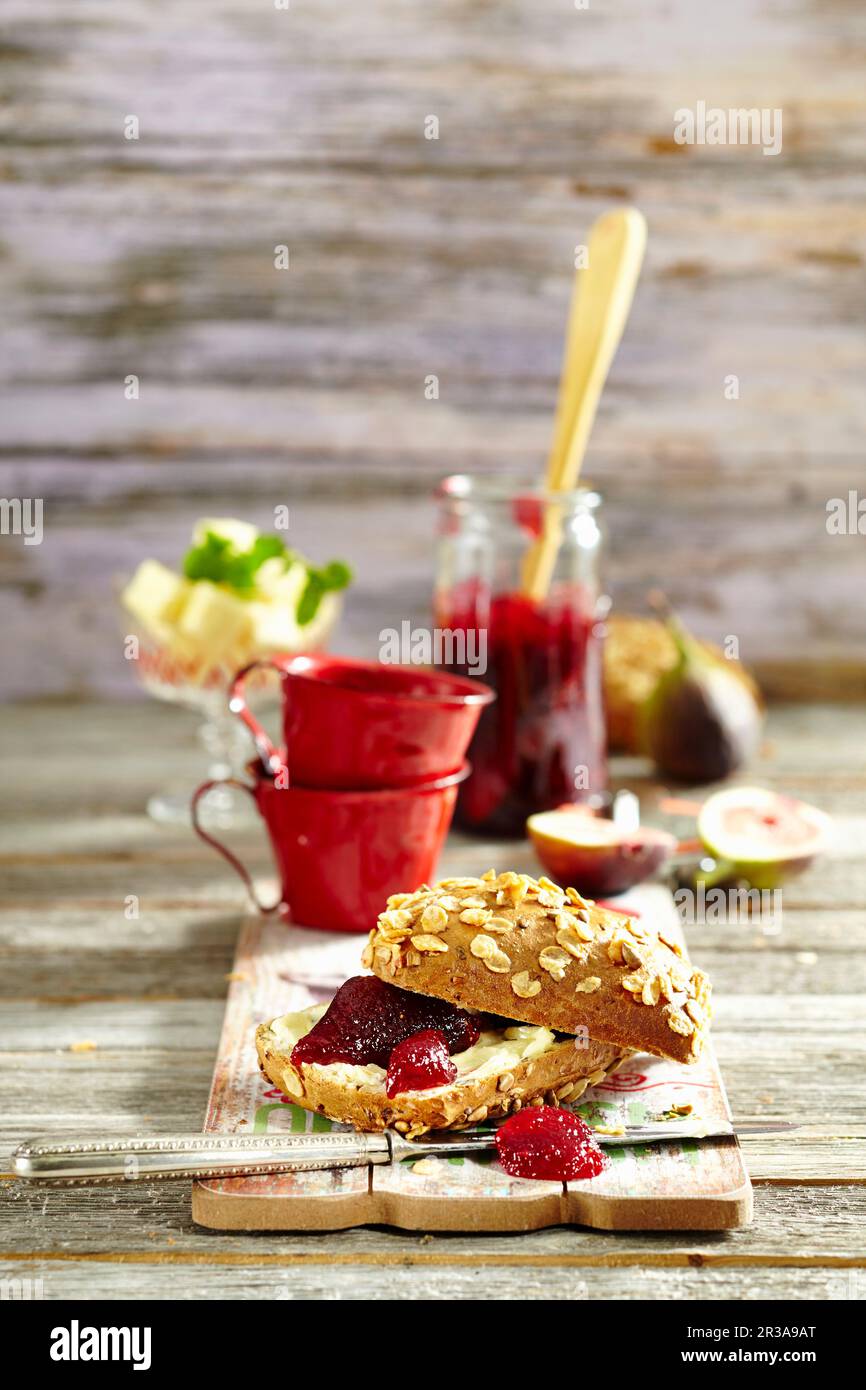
{"x":367,"y":1018}
{"x":544,"y":1142}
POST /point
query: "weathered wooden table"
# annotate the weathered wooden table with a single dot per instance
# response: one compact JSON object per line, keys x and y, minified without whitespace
{"x":110,"y":1021}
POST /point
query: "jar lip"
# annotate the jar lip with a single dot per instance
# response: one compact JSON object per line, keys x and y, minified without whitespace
{"x":505,"y":487}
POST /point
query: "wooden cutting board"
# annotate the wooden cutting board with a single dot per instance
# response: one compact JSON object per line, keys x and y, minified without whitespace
{"x":698,"y":1185}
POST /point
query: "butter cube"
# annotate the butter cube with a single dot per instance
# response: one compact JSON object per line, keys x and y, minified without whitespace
{"x":240,"y":533}
{"x":155,"y":594}
{"x":214,"y":620}
{"x":271,"y":577}
{"x":274,"y":628}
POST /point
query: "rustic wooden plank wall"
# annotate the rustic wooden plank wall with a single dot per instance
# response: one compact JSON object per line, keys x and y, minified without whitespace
{"x":409,"y":257}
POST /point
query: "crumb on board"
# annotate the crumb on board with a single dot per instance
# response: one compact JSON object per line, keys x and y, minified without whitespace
{"x":427,"y":1167}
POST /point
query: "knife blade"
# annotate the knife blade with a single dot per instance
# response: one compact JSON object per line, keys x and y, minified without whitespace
{"x":102,"y":1158}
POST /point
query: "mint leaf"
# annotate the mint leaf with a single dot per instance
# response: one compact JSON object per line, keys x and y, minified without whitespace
{"x":308,"y":604}
{"x":244,"y":565}
{"x":217,"y":559}
{"x":240,"y":573}
{"x":334,"y":576}
{"x":208,"y":560}
{"x":268,"y":548}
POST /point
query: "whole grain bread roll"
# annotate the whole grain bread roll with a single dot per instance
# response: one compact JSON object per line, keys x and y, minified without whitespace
{"x":529,"y":950}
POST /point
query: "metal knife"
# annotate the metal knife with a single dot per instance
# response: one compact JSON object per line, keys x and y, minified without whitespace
{"x":138,"y":1158}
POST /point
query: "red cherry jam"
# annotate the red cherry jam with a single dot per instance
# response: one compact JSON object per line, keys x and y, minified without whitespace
{"x":549,"y":1143}
{"x":544,"y":662}
{"x":367,"y":1018}
{"x":419,"y":1063}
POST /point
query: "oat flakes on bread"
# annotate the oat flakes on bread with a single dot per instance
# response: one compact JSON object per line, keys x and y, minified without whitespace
{"x":527,"y":949}
{"x":555,"y":1069}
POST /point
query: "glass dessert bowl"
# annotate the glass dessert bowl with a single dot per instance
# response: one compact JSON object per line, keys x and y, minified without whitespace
{"x":239,"y":596}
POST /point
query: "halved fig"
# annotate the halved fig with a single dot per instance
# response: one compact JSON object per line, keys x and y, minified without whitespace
{"x":765,"y":836}
{"x":583,"y":851}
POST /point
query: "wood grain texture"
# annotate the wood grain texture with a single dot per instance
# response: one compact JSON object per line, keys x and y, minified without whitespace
{"x":793,"y":1226}
{"x":790,"y":1031}
{"x":88,"y":1279}
{"x":411,"y":257}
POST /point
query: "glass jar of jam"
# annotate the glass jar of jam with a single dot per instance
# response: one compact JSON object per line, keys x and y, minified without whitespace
{"x":542,"y":741}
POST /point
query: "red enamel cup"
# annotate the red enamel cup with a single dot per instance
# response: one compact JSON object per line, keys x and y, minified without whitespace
{"x":340,"y":854}
{"x":353,"y":725}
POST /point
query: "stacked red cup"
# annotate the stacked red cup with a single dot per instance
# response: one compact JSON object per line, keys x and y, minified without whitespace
{"x":358,"y":801}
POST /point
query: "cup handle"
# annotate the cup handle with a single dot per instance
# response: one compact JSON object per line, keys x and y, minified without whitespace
{"x":226,"y":853}
{"x":271,"y":760}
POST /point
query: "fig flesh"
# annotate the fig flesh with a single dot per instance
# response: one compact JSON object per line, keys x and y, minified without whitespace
{"x":594,"y":855}
{"x":765,"y":837}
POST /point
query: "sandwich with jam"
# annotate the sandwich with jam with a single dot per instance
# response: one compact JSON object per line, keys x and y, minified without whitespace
{"x":486,"y":995}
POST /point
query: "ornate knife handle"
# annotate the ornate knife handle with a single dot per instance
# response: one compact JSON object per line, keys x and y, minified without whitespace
{"x":193,"y":1155}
